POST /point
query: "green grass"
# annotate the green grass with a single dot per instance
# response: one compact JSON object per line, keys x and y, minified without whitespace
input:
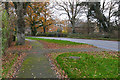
{"x":57,"y":41}
{"x":88,"y":66}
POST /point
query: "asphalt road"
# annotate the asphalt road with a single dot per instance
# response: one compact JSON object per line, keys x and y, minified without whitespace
{"x":111,"y":45}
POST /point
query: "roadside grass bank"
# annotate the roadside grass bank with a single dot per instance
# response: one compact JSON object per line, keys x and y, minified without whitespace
{"x":86,"y":64}
{"x":61,"y":42}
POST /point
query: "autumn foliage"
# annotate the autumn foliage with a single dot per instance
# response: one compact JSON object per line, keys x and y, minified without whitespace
{"x":38,"y":15}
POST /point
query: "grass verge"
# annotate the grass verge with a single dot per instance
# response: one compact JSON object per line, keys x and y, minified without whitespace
{"x":57,"y":41}
{"x":89,"y":65}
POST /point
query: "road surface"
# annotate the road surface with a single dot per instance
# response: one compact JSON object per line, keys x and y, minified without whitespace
{"x":111,"y":45}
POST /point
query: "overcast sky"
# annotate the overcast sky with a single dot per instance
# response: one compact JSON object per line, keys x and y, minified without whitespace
{"x":65,"y":17}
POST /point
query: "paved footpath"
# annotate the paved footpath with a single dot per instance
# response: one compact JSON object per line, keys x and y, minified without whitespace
{"x":111,"y":45}
{"x":37,"y":65}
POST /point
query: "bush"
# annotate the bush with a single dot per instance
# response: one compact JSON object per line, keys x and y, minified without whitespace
{"x":93,"y":36}
{"x":53,"y":34}
{"x":5,"y":31}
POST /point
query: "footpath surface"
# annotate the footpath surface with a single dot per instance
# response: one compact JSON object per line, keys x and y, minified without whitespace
{"x":37,"y":65}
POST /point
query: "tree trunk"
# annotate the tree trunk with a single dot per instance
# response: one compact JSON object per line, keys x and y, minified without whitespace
{"x":73,"y":30}
{"x":73,"y":26}
{"x":88,"y":25}
{"x":20,"y":24}
{"x":34,"y":31}
{"x":44,"y":29}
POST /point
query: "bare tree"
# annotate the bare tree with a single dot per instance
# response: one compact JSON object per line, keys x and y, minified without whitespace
{"x":109,"y":7}
{"x":86,"y":9}
{"x":95,"y":11}
{"x":103,"y":13}
{"x":71,"y":9}
{"x":117,"y":15}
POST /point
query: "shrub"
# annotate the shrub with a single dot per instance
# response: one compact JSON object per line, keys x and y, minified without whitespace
{"x":94,"y":36}
{"x":52,"y":34}
{"x":5,"y":31}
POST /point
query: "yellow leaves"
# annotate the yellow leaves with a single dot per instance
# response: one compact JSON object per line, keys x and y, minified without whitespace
{"x":14,"y":29}
{"x":28,"y":20}
{"x":40,"y":29}
{"x":30,"y":7}
{"x":38,"y":12}
{"x":44,"y":23}
{"x":36,"y":25}
{"x":32,"y":11}
{"x":42,"y":19}
{"x":34,"y":14}
{"x":64,"y":30}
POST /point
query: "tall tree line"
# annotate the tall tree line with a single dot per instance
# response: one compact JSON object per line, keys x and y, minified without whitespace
{"x":94,"y":11}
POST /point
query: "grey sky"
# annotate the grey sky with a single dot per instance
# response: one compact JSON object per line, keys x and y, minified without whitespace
{"x":82,"y":17}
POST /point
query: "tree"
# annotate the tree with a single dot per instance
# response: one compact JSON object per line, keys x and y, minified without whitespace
{"x":119,"y":12}
{"x":38,"y":15}
{"x":46,"y":19}
{"x":109,"y":7}
{"x":20,"y":24}
{"x":20,"y":11}
{"x":33,"y":13}
{"x":5,"y":30}
{"x":117,"y":16}
{"x":10,"y":21}
{"x":86,"y":9}
{"x":95,"y":11}
{"x":71,"y":10}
